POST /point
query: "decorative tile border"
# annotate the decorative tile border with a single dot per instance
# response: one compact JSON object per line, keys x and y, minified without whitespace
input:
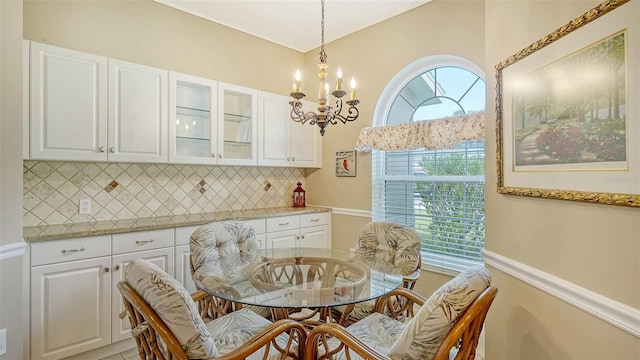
{"x":121,"y":191}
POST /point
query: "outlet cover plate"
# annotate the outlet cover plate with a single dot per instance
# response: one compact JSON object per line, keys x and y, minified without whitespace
{"x":85,"y":207}
{"x":3,"y":341}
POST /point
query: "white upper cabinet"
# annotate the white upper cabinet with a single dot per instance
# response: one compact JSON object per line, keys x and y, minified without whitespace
{"x":192,"y":119}
{"x":68,"y":111}
{"x":283,"y":142}
{"x":90,"y":108}
{"x":137,"y":113}
{"x":237,"y":125}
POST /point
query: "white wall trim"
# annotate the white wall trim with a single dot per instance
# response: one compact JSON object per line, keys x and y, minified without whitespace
{"x":620,"y":315}
{"x":351,"y":212}
{"x":12,"y":250}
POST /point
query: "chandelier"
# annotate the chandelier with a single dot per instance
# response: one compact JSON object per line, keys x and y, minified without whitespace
{"x":326,"y":114}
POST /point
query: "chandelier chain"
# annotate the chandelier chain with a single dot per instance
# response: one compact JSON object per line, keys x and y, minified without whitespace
{"x":323,"y":54}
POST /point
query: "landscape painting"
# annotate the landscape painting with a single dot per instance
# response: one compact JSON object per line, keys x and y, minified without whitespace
{"x":573,"y":111}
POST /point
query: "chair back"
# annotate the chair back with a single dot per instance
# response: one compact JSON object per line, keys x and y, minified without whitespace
{"x":158,"y":303}
{"x":147,"y":327}
{"x":392,"y":243}
{"x":209,"y":242}
{"x":465,"y":333}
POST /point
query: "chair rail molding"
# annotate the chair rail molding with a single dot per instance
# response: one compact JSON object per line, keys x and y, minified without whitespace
{"x":620,"y":315}
{"x":12,"y":250}
{"x":351,"y":212}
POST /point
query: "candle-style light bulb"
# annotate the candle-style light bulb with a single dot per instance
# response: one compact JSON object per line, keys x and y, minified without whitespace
{"x":353,"y":88}
{"x":339,"y":79}
{"x":297,"y":87}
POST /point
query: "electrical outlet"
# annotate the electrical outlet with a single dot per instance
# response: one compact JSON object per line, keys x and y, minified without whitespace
{"x":85,"y":207}
{"x":3,"y":341}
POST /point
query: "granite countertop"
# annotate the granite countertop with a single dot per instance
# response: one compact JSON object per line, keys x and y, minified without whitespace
{"x":68,"y":231}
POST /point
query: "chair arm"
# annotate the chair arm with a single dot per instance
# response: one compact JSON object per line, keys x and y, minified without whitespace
{"x":398,"y":304}
{"x":319,"y":336}
{"x":267,"y":338}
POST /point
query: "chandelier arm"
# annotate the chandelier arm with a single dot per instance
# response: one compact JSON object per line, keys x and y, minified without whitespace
{"x":352,"y":116}
{"x":298,"y":115}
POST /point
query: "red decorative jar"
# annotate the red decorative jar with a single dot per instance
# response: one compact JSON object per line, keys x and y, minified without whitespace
{"x":298,"y":196}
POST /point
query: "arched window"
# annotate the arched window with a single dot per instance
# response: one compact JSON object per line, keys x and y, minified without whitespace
{"x":440,"y":193}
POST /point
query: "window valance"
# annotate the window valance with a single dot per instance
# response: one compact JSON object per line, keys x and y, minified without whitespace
{"x":444,"y":133}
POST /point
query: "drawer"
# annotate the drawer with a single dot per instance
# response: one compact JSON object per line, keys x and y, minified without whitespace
{"x":314,"y":219}
{"x":142,"y":240}
{"x":283,"y":223}
{"x":183,"y":234}
{"x":259,"y":225}
{"x":56,"y":251}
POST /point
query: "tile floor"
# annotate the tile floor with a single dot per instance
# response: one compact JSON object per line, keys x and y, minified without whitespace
{"x":131,"y":354}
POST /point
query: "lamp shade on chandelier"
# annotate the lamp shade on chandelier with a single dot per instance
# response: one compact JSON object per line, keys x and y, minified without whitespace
{"x":326,"y":114}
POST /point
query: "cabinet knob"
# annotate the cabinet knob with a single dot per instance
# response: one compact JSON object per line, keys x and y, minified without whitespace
{"x":298,"y":237}
{"x":112,"y":150}
{"x":293,"y":158}
{"x":101,"y":149}
{"x":302,"y":236}
{"x":213,"y":155}
{"x":106,"y":269}
{"x":288,"y":158}
{"x":116,"y":268}
{"x":220,"y":155}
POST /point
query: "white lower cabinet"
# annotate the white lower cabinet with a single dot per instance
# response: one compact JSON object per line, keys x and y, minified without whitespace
{"x":75,"y":302}
{"x":70,"y":307}
{"x":308,"y":230}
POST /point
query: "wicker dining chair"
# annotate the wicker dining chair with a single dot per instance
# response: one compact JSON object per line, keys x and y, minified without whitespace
{"x":209,"y":242}
{"x":447,"y":326}
{"x":166,"y":323}
{"x":394,"y":246}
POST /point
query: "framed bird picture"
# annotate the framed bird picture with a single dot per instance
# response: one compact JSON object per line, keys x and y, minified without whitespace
{"x":346,"y":163}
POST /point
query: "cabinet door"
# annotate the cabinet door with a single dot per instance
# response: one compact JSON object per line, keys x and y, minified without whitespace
{"x":183,"y":267}
{"x":192,"y":119}
{"x":137,"y":121}
{"x":306,"y":142}
{"x":273,"y":130}
{"x":283,"y":239}
{"x":315,"y":237}
{"x":68,"y":117}
{"x":237,"y":130}
{"x":120,"y":328}
{"x":70,"y":307}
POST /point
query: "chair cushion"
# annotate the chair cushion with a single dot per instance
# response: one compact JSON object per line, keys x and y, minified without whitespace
{"x":210,"y":241}
{"x":234,"y":329}
{"x":174,"y":306}
{"x":376,"y":330}
{"x":392,"y":243}
{"x":424,"y":333}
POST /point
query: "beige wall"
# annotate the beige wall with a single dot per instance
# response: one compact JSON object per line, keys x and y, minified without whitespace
{"x":12,"y":310}
{"x":150,"y":33}
{"x":564,"y":239}
{"x":596,"y":247}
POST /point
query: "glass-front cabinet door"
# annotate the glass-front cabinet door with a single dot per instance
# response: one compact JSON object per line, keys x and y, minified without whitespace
{"x":192,"y":127}
{"x":237,"y":125}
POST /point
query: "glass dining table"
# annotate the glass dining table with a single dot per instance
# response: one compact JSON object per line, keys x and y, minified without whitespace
{"x":299,"y":283}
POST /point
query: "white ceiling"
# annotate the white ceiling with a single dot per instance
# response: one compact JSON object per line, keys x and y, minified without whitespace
{"x":295,"y":23}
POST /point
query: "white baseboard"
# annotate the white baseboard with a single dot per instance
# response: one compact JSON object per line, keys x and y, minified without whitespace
{"x":620,"y":315}
{"x":12,"y":250}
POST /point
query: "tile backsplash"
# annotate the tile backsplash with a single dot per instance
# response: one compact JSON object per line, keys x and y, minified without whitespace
{"x":120,"y":191}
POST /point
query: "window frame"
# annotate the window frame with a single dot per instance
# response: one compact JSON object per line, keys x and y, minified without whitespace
{"x":449,"y":265}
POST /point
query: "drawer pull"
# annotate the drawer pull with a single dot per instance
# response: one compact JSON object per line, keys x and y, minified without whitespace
{"x":142,"y":242}
{"x":65,"y":251}
{"x":315,"y":220}
{"x":116,"y":268}
{"x":283,"y":224}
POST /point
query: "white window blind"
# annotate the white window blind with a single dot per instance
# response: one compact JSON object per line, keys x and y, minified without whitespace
{"x":439,"y":193}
